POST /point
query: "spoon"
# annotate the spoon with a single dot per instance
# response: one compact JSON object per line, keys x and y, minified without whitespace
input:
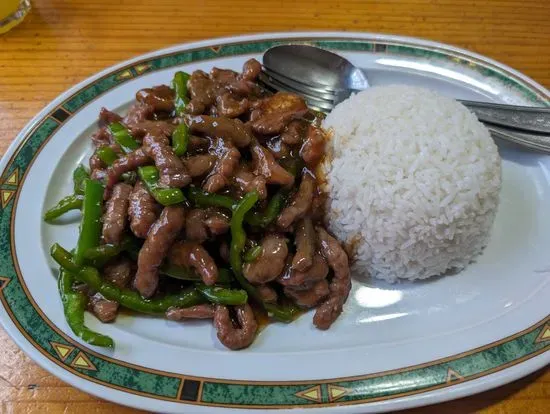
{"x":325,"y":79}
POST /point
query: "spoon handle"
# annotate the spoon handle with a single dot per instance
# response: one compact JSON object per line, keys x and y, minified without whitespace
{"x":535,"y":142}
{"x":536,"y":120}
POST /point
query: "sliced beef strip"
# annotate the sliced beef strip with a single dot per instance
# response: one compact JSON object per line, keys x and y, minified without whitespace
{"x":129,"y":162}
{"x":224,"y":252}
{"x":228,"y":334}
{"x":228,"y":129}
{"x":223,"y":77}
{"x":116,"y":212}
{"x":138,"y":130}
{"x":160,"y":98}
{"x":271,"y":262}
{"x":217,"y":222}
{"x":251,"y":70}
{"x":204,"y":311}
{"x":191,"y":254}
{"x":266,"y":165}
{"x":340,"y":285}
{"x":228,"y":80}
{"x":278,"y":148}
{"x":297,"y":280}
{"x":313,"y":149}
{"x":102,"y":137}
{"x":294,"y":132}
{"x":318,"y":205}
{"x":246,"y":181}
{"x":99,"y":175}
{"x":143,"y":210}
{"x":230,"y":106}
{"x":267,"y":293}
{"x":194,"y":107}
{"x":107,"y":117}
{"x":305,"y":241}
{"x":199,"y":165}
{"x":201,"y":223}
{"x":195,"y":229}
{"x":226,"y":164}
{"x":138,"y":112}
{"x":202,"y":91}
{"x":172,"y":172}
{"x":118,"y":272}
{"x":197,"y":144}
{"x":336,"y":256}
{"x":105,"y":310}
{"x":95,"y":162}
{"x":160,"y":238}
{"x":275,"y":112}
{"x":300,"y":203}
{"x":224,"y":87}
{"x":311,"y":297}
{"x":97,"y":168}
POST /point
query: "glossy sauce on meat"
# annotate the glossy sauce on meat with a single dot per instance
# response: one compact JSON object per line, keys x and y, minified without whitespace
{"x":241,"y":139}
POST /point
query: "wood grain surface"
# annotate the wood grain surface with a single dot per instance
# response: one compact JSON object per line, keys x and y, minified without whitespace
{"x":63,"y":42}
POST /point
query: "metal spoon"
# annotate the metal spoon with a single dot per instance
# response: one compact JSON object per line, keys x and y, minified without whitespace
{"x":325,"y":79}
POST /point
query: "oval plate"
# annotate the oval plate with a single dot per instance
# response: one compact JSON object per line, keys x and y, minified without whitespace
{"x":395,"y":346}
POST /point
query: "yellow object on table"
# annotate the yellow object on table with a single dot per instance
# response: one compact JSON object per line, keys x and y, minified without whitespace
{"x":12,"y":12}
{"x":64,"y":41}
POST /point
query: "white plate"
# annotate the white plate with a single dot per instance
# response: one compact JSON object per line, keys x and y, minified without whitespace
{"x":395,"y":346}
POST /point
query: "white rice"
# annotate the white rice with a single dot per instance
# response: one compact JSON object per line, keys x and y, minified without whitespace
{"x":413,"y":181}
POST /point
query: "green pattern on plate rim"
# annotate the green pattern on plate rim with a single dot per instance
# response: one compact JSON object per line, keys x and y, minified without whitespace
{"x":92,"y":366}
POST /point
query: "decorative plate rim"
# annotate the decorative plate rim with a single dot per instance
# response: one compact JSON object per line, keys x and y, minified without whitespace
{"x":81,"y":366}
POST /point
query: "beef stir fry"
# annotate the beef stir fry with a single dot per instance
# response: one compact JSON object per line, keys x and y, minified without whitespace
{"x":202,"y":202}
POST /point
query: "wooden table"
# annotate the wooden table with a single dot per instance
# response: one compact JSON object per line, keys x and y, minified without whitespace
{"x":63,"y":42}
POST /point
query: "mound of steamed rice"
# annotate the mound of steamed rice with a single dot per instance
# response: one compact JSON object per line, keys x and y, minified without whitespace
{"x":413,"y":180}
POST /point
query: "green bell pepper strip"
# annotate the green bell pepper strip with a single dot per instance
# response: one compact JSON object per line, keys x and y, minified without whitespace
{"x":206,"y":199}
{"x":79,"y":175}
{"x":72,"y":202}
{"x":165,"y":196}
{"x":238,"y":235}
{"x":286,"y":313}
{"x":252,"y":254}
{"x":128,"y":298}
{"x":180,"y":139}
{"x":283,"y":313}
{"x":183,"y":273}
{"x":255,"y":218}
{"x":222,"y":296}
{"x":90,"y":225}
{"x":179,"y":84}
{"x":238,"y":240}
{"x":105,"y":252}
{"x":277,"y":202}
{"x":149,"y":175}
{"x":123,"y":137}
{"x":74,"y":304}
{"x":64,"y":259}
{"x":273,"y":209}
{"x":107,"y":155}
